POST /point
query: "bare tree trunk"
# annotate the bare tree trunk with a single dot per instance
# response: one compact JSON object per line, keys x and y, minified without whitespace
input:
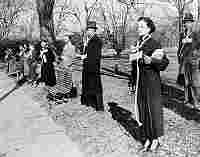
{"x":180,"y":18}
{"x":45,"y":12}
{"x":198,"y":10}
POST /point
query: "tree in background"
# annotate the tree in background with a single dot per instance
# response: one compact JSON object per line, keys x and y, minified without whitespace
{"x":115,"y":16}
{"x":45,"y":12}
{"x":180,"y":5}
{"x":198,"y":9}
{"x":9,"y":12}
{"x":76,"y":14}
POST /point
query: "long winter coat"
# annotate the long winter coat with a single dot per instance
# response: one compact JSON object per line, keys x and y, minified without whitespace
{"x":91,"y":79}
{"x":149,"y":90}
{"x":47,"y":69}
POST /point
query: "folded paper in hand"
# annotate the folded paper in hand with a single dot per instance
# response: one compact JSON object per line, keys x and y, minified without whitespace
{"x":158,"y":54}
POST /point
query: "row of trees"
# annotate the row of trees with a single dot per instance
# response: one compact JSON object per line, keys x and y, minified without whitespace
{"x":113,"y":16}
{"x":9,"y":12}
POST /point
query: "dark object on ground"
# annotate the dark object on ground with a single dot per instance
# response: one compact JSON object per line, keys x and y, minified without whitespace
{"x":124,"y":118}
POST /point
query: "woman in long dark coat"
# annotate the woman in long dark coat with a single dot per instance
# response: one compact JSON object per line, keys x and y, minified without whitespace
{"x":149,"y":112}
{"x":47,"y":67}
{"x":92,"y":93}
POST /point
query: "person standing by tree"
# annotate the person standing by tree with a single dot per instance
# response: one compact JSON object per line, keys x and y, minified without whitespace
{"x":92,"y":92}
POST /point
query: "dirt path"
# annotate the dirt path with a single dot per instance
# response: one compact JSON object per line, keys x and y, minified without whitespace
{"x":26,"y":130}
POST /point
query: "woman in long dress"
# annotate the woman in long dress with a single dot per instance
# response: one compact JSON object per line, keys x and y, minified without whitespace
{"x":146,"y":69}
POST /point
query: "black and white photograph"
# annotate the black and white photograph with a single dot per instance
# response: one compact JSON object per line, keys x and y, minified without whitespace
{"x":100,"y":78}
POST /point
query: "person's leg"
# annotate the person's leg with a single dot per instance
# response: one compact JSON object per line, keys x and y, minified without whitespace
{"x":186,"y":85}
{"x":29,"y":71}
{"x":83,"y":99}
{"x":186,"y":94}
{"x":194,"y":97}
{"x":34,"y":73}
{"x":99,"y":102}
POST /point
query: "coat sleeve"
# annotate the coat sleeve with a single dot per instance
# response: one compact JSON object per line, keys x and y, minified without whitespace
{"x":196,"y":42}
{"x":180,"y":44}
{"x":159,"y":64}
{"x":133,"y":77}
{"x":50,"y":56}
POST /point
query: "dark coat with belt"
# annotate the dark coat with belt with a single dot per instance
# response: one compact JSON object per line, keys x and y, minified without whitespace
{"x":47,"y":69}
{"x":149,"y":90}
{"x":91,"y":79}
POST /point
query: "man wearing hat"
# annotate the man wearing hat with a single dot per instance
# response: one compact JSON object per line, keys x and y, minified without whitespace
{"x":92,"y":93}
{"x":189,"y":42}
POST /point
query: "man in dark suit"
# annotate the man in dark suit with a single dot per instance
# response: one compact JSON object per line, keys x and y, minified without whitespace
{"x":189,"y":45}
{"x":92,"y":93}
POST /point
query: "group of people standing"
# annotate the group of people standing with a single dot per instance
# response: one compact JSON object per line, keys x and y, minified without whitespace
{"x":147,"y":59}
{"x":26,"y":57}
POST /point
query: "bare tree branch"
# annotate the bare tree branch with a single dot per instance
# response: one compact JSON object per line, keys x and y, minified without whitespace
{"x":9,"y":11}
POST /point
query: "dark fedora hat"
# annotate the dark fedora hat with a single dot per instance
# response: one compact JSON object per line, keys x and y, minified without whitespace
{"x":188,"y":17}
{"x":91,"y":24}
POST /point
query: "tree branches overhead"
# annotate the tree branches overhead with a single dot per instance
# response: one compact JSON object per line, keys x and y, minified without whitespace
{"x":9,"y":11}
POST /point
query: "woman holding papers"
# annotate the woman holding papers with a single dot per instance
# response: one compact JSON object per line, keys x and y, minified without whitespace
{"x":148,"y":59}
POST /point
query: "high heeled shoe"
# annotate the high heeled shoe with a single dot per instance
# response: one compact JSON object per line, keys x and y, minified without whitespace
{"x":146,"y":146}
{"x":154,"y":146}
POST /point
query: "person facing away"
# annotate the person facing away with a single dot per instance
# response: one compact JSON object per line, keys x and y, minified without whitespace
{"x":92,"y":92}
{"x":148,"y":60}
